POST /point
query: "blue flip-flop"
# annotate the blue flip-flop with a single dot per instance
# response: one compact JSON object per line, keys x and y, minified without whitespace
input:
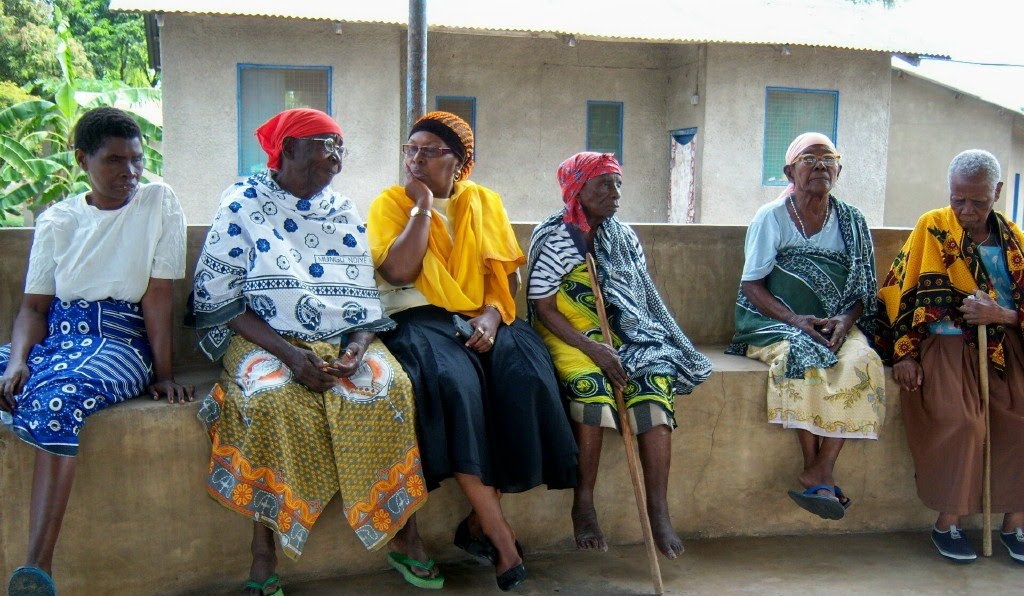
{"x":820,"y":505}
{"x":31,"y":581}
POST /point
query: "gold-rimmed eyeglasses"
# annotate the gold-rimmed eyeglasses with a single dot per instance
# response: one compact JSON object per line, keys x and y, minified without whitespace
{"x":809,"y":159}
{"x":409,"y":151}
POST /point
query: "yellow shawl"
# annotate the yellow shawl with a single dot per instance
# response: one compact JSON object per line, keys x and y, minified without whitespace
{"x":937,"y":268}
{"x":463,"y":273}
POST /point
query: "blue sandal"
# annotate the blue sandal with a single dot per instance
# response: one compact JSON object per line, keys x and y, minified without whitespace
{"x":820,"y":505}
{"x":31,"y":581}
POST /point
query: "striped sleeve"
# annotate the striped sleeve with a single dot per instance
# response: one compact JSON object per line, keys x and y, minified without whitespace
{"x":557,"y":258}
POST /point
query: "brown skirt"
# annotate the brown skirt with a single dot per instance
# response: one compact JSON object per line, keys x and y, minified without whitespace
{"x":946,"y":427}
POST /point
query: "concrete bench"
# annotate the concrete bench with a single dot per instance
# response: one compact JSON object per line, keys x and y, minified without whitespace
{"x":139,"y":521}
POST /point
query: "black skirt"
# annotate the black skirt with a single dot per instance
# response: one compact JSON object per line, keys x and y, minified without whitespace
{"x":497,"y":415}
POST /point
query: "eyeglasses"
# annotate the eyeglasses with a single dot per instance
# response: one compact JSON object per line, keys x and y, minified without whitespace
{"x":410,"y":151}
{"x":331,"y":146}
{"x":809,"y":159}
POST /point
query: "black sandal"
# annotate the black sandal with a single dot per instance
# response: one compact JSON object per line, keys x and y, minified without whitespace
{"x":511,"y":578}
{"x":480,"y":548}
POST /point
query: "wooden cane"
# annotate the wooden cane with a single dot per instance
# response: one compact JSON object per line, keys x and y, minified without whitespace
{"x":986,"y":483}
{"x":629,"y":439}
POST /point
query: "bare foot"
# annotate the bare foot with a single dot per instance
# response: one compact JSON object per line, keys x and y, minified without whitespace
{"x":586,"y":529}
{"x":504,"y":541}
{"x":811,"y":477}
{"x":665,"y":537}
{"x":263,"y":566}
{"x":408,"y":542}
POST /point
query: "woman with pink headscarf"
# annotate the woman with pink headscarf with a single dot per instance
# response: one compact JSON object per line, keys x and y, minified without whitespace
{"x":805,"y":306}
{"x":652,"y":360}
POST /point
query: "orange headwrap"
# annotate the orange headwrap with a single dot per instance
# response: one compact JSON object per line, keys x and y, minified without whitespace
{"x":455,"y":132}
{"x":297,"y":122}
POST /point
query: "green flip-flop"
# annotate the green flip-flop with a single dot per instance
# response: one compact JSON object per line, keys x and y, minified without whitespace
{"x":272,"y":580}
{"x":404,"y":565}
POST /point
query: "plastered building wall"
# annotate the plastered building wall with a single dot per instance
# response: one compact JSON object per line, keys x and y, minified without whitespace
{"x":929,"y":125}
{"x":734,"y":124}
{"x":531,"y":100}
{"x":201,"y":56}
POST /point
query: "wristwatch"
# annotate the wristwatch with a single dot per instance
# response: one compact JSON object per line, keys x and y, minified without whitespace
{"x":416,"y":210}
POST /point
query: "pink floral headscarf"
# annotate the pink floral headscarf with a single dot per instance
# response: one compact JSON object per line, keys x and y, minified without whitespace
{"x":799,"y":145}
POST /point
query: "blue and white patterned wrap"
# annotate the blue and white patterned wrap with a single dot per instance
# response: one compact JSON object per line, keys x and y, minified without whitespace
{"x":95,"y":355}
{"x":652,"y":342}
{"x":301,"y":265}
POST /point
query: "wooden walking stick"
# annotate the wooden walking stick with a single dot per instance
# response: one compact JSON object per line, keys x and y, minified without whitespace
{"x":986,"y":483}
{"x":629,"y":439}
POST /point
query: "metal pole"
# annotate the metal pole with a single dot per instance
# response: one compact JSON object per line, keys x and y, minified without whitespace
{"x":416,"y":63}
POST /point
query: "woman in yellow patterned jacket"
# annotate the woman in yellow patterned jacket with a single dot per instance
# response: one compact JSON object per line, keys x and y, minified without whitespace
{"x":962,"y":267}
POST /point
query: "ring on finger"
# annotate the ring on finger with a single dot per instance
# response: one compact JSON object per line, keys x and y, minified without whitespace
{"x":491,"y":339}
{"x":479,"y":330}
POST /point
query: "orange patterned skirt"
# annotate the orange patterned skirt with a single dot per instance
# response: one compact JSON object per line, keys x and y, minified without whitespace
{"x":281,"y":451}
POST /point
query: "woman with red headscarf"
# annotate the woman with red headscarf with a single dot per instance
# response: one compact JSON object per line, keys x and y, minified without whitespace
{"x":309,"y":403}
{"x":652,"y":361}
{"x":805,"y":308}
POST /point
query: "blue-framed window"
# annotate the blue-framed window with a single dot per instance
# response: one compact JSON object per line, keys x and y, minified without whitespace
{"x":461,"y":106}
{"x":604,"y":127}
{"x":788,"y":113}
{"x":265,"y":90}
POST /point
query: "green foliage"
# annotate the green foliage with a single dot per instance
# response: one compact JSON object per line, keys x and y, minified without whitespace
{"x":115,"y":43}
{"x":27,"y":38}
{"x":11,"y":94}
{"x":37,"y":165}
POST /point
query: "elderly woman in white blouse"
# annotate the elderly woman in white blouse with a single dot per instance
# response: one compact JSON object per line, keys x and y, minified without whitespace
{"x":94,"y":328}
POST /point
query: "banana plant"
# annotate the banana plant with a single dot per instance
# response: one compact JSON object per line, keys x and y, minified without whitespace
{"x":37,"y":162}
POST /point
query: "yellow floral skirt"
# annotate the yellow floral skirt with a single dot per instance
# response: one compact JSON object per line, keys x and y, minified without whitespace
{"x":844,"y":401}
{"x":281,"y":452}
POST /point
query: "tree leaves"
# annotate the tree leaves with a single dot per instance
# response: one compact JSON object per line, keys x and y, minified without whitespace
{"x":37,"y":165}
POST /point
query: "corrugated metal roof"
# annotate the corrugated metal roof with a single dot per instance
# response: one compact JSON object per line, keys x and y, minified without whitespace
{"x":824,"y":23}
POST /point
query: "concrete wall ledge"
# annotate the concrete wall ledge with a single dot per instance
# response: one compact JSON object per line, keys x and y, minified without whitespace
{"x":139,"y":521}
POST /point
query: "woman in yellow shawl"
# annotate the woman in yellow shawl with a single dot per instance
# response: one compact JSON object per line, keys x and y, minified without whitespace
{"x":488,"y":407}
{"x":962,"y":266}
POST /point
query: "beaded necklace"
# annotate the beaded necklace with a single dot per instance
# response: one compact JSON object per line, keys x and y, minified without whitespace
{"x":799,"y":220}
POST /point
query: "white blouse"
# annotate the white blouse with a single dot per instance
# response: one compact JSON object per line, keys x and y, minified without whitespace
{"x":772,"y":229}
{"x":80,"y":252}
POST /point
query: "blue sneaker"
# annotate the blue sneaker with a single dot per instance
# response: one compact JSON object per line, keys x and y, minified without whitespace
{"x":1014,"y":542}
{"x":953,"y":545}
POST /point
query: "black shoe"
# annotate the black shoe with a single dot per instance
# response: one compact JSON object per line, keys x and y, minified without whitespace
{"x":1014,"y":542}
{"x":511,"y":578}
{"x":953,"y":545}
{"x":480,"y":548}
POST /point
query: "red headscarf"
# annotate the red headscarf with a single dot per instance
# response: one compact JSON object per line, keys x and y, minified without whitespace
{"x":297,"y":122}
{"x":574,"y":173}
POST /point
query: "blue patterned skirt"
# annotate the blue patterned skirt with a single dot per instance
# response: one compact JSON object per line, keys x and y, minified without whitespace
{"x":95,"y":355}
